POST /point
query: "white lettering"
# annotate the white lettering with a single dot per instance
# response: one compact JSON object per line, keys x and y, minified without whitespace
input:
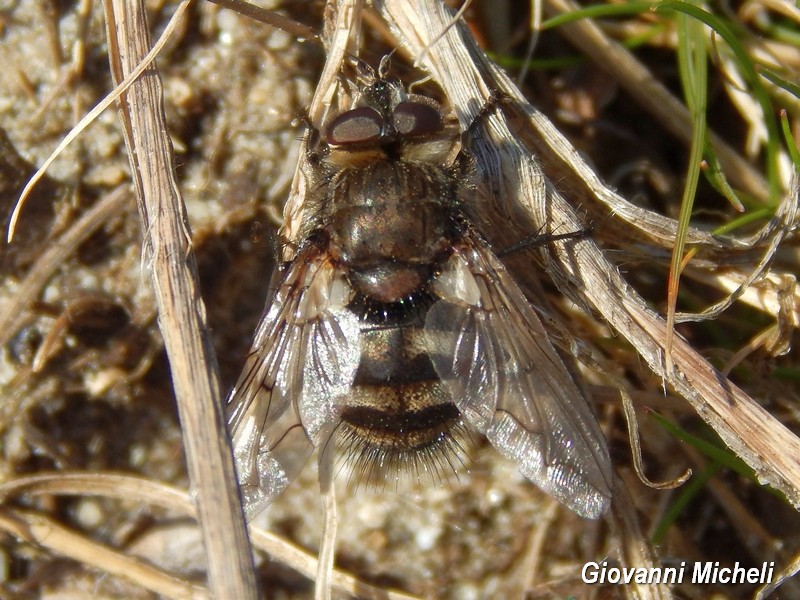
{"x":701,"y":572}
{"x":593,"y":572}
{"x":586,"y":575}
{"x":667,"y":573}
{"x":711,"y":572}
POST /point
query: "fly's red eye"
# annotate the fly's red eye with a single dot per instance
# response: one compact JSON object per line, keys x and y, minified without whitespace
{"x":415,"y":118}
{"x":363,"y":124}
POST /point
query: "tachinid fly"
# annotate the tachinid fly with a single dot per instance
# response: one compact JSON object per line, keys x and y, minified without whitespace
{"x":395,"y":328}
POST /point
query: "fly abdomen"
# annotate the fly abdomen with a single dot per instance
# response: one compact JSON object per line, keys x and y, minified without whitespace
{"x":398,"y":411}
{"x":400,"y":417}
{"x":390,"y":282}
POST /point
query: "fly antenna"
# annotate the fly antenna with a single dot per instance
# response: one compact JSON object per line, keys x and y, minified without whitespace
{"x":385,"y":65}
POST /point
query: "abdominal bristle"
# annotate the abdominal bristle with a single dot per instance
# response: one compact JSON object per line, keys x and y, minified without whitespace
{"x":379,"y":466}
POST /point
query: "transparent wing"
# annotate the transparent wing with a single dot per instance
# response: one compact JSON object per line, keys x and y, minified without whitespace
{"x":506,"y":378}
{"x":304,"y":355}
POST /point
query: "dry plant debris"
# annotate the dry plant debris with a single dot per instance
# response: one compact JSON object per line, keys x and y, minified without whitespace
{"x":86,"y":388}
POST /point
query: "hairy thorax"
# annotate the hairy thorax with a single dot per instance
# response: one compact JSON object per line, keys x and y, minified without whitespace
{"x":394,"y":227}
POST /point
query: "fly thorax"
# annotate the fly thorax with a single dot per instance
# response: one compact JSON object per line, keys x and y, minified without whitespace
{"x":394,"y":228}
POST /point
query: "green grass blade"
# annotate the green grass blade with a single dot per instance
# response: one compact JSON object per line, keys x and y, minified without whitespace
{"x":748,"y":70}
{"x":598,"y":11}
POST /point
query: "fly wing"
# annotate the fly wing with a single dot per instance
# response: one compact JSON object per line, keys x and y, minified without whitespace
{"x":493,"y":353}
{"x":304,"y":355}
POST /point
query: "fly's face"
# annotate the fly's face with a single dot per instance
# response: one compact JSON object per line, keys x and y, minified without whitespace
{"x":396,"y":329}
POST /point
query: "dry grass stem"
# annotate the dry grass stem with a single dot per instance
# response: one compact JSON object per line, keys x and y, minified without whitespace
{"x":182,"y":318}
{"x":636,"y":448}
{"x":781,"y":577}
{"x":47,"y":533}
{"x":16,"y":311}
{"x":635,"y":547}
{"x":88,"y":118}
{"x":128,"y":488}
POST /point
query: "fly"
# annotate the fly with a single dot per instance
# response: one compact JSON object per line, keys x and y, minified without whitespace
{"x":395,"y":329}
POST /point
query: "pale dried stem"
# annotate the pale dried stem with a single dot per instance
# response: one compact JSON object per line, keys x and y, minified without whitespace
{"x":182,"y":319}
{"x":634,"y":547}
{"x":38,"y":529}
{"x":781,"y":577}
{"x":129,"y":488}
{"x":88,"y":118}
{"x":16,"y":312}
{"x":536,"y":552}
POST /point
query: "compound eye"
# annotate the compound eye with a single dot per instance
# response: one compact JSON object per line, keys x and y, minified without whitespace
{"x":416,"y":118}
{"x":362,"y":124}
